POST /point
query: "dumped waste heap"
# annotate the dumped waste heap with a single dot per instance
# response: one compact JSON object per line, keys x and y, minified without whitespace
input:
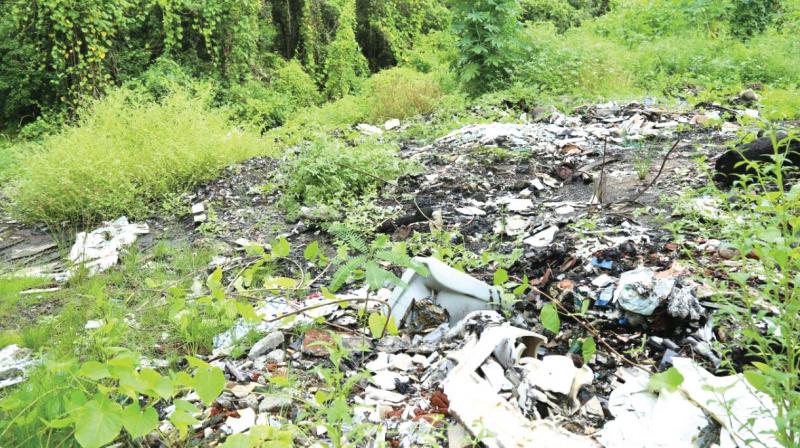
{"x":606,"y":340}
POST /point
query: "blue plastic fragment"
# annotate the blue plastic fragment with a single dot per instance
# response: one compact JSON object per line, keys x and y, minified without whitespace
{"x":605,"y":297}
{"x":602,"y":264}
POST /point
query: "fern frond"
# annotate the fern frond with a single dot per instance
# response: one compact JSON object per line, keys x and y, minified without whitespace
{"x":343,"y":273}
{"x":349,"y":237}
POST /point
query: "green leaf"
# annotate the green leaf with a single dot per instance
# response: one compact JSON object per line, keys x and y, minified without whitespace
{"x":214,"y":281}
{"x":247,"y":312}
{"x":99,"y":423}
{"x":758,"y":380}
{"x":667,"y":380}
{"x":208,"y":382}
{"x":280,"y":283}
{"x":520,"y":290}
{"x":281,"y":248}
{"x":139,"y":423}
{"x":589,"y":348}
{"x":157,"y":384}
{"x":183,"y":417}
{"x":550,"y":319}
{"x":94,"y":370}
{"x":500,"y":277}
{"x":585,"y":306}
{"x":311,"y":252}
{"x":377,"y":322}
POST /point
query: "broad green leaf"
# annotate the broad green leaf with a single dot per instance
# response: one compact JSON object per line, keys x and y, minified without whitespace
{"x":550,"y":319}
{"x":247,"y":312}
{"x":280,"y":283}
{"x":758,"y":380}
{"x":183,"y":416}
{"x":500,"y":277}
{"x":99,"y":423}
{"x":94,"y":370}
{"x":239,"y":441}
{"x":311,"y":252}
{"x":139,"y":423}
{"x":667,"y":380}
{"x":208,"y":382}
{"x":280,"y":248}
{"x":125,"y":360}
{"x":377,"y":322}
{"x":589,"y":348}
{"x":214,"y":281}
{"x":160,"y":385}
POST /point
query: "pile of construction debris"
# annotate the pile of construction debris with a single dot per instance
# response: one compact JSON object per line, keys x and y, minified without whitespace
{"x":466,"y":364}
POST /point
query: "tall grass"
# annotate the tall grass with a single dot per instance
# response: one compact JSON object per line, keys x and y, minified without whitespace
{"x":125,"y":155}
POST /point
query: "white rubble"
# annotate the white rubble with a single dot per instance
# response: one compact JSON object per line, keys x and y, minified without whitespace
{"x":99,"y":249}
{"x":14,"y":363}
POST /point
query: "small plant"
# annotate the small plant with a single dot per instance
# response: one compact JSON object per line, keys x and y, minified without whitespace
{"x":331,"y":401}
{"x":212,"y":225}
{"x":101,"y":399}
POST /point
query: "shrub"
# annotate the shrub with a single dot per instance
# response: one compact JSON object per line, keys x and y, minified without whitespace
{"x":327,"y":173}
{"x":487,"y":41}
{"x":751,"y":17}
{"x":269,"y":103}
{"x":562,"y":14}
{"x":124,"y":155}
{"x":345,"y":66}
{"x":401,"y":93}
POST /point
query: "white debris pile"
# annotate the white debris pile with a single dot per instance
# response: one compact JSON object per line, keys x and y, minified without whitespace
{"x":14,"y":364}
{"x":100,"y":249}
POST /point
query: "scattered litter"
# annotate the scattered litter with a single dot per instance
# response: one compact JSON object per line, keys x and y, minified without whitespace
{"x":99,"y":250}
{"x":14,"y":364}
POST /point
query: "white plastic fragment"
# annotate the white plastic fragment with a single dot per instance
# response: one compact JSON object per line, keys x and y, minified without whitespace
{"x":643,"y":419}
{"x":552,"y":373}
{"x":99,"y":250}
{"x":742,"y":410}
{"x":245,"y":421}
{"x":543,"y":238}
{"x":471,"y":210}
{"x":483,"y":412}
{"x":391,"y":124}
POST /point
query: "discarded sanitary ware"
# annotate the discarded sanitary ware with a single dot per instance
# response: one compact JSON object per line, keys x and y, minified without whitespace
{"x":455,"y":291}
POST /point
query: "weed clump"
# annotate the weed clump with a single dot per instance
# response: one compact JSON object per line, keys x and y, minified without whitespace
{"x":328,"y":174}
{"x":402,"y":93}
{"x":126,"y":154}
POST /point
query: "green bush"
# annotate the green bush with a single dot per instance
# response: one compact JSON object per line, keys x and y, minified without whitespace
{"x":124,"y":156}
{"x":268,"y":104}
{"x":562,"y":14}
{"x":401,"y":93}
{"x":487,"y":41}
{"x":326,"y":173}
{"x":345,"y":66}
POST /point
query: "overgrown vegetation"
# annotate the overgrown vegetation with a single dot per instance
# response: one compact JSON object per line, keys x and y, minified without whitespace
{"x":124,"y":156}
{"x":760,"y":300}
{"x":118,"y":107}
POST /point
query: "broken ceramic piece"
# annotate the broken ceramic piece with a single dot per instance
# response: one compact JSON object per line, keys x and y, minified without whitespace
{"x":455,"y":291}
